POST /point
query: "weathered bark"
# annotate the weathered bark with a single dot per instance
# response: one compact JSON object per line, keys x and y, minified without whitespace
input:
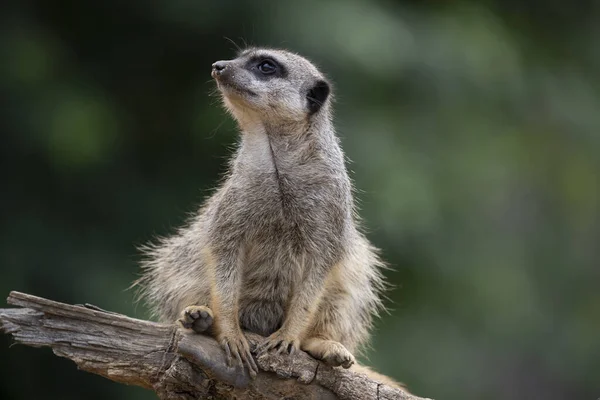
{"x":173,"y":364}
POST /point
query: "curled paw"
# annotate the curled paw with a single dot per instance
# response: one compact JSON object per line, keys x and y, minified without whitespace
{"x":280,"y":343}
{"x":337,"y":355}
{"x":236,"y":346}
{"x":196,"y":318}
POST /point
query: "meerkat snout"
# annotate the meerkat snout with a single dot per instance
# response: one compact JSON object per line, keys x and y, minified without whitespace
{"x":217,"y":68}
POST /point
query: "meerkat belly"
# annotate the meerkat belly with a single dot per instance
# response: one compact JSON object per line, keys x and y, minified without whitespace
{"x":267,"y":286}
{"x":269,"y":271}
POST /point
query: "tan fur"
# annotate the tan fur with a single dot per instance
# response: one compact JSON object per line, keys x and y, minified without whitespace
{"x":277,"y":249}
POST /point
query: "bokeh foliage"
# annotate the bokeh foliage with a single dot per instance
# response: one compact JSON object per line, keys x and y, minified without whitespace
{"x":474,"y":133}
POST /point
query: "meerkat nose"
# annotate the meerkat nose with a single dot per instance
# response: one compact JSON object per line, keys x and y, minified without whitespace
{"x":218,"y":67}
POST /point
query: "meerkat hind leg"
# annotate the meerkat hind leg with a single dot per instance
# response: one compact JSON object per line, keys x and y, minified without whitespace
{"x":196,"y":318}
{"x":329,"y":351}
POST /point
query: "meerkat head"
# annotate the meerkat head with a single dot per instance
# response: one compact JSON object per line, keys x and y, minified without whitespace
{"x":269,"y":87}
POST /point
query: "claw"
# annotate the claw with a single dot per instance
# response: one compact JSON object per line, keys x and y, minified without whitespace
{"x":249,"y":361}
{"x":254,"y":368}
{"x":262,"y":348}
{"x":281,"y":349}
{"x":238,"y":357}
{"x":228,"y":354}
{"x":278,"y":343}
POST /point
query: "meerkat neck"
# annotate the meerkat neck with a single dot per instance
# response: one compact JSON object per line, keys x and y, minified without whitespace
{"x":281,"y":148}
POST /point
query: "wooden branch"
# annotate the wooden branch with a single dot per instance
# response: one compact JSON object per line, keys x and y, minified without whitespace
{"x":174,"y":364}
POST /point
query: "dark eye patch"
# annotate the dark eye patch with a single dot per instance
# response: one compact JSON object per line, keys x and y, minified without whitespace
{"x":266,"y":67}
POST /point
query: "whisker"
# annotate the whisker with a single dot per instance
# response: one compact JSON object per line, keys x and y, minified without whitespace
{"x":238,"y":48}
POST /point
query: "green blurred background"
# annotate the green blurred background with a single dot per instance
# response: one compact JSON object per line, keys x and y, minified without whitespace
{"x":474,"y":133}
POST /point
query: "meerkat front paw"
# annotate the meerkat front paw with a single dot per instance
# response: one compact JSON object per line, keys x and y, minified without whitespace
{"x":236,"y":346}
{"x":330,"y":352}
{"x":196,"y":318}
{"x":280,"y":342}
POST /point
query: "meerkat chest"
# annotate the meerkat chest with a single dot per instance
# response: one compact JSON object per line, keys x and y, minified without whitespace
{"x":286,"y":199}
{"x":278,"y":184}
{"x":282,"y":197}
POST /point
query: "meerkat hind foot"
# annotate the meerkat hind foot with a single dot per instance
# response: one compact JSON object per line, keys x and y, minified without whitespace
{"x":329,"y":351}
{"x":196,"y":318}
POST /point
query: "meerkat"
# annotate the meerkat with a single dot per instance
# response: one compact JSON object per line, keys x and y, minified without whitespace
{"x":277,"y":249}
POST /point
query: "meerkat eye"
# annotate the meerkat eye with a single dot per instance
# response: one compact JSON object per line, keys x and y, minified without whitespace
{"x":267,"y":67}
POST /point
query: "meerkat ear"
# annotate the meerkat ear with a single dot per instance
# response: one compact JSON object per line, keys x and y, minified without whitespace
{"x":317,"y":95}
